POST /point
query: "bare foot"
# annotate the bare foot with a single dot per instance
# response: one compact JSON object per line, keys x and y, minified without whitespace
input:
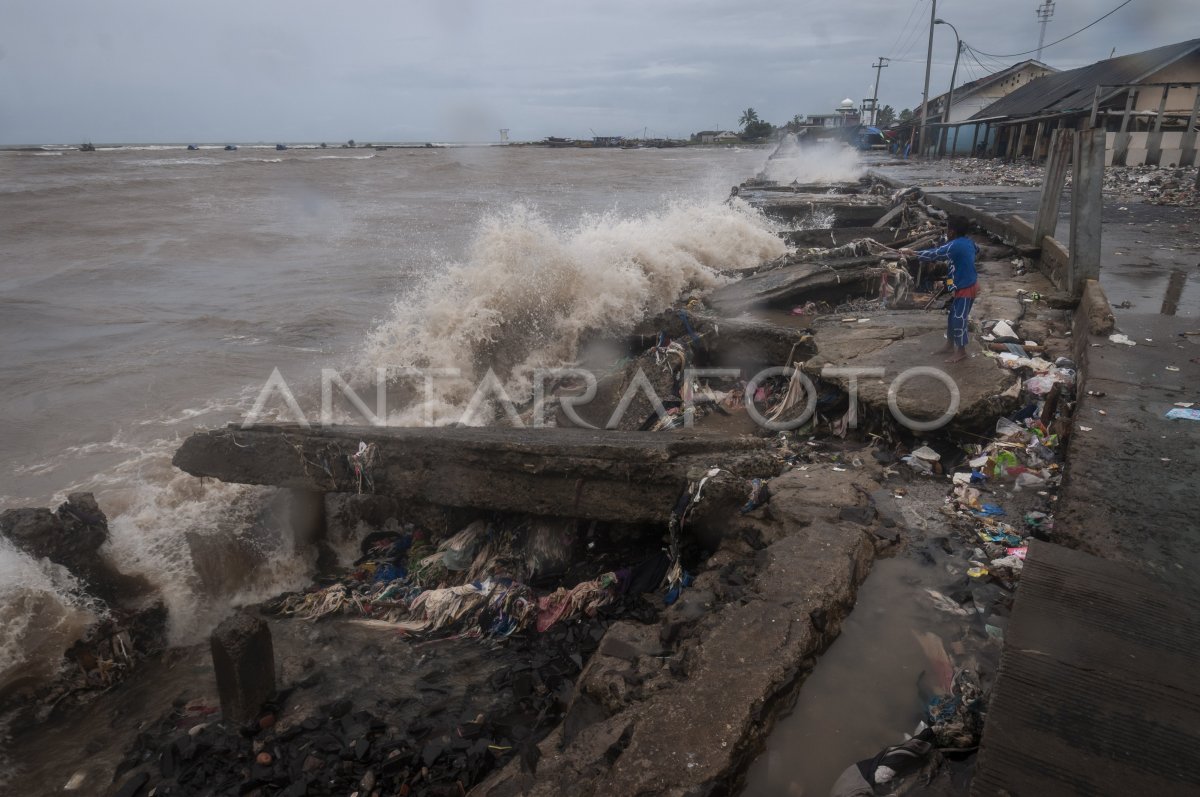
{"x":959,"y":356}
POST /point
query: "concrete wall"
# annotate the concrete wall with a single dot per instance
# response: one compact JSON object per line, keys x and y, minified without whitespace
{"x":1172,"y":148}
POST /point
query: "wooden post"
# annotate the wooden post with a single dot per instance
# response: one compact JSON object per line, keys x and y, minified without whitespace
{"x":1154,"y":140}
{"x":1121,"y":145}
{"x":1188,"y":156}
{"x":1020,"y":150}
{"x":975,"y":138}
{"x":1037,"y":142}
{"x":954,"y":146}
{"x":1087,"y":202}
{"x":1061,"y":144}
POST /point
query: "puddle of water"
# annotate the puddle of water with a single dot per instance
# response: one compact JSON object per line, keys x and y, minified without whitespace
{"x":1150,"y":288}
{"x":862,"y":696}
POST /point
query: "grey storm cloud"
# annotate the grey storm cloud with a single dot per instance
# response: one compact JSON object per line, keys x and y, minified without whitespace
{"x":148,"y":70}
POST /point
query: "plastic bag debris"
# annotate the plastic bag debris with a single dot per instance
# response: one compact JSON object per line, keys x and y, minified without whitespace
{"x":1122,"y":339}
{"x":926,"y":453}
{"x":945,"y":604}
{"x":1179,"y":413}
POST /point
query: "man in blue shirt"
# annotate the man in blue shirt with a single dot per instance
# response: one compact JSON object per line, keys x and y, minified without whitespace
{"x":962,"y":279}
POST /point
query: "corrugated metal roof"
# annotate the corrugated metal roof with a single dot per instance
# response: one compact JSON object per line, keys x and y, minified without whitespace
{"x":1074,"y":89}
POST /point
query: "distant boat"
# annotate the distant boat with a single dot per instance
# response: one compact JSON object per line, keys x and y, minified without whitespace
{"x":88,"y":147}
{"x":231,"y":147}
{"x":192,"y":147}
{"x":281,"y":147}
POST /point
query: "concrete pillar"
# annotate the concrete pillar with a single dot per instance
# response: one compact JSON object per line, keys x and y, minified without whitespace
{"x":1121,"y":145}
{"x":1154,"y":140}
{"x":1087,"y":202}
{"x":244,"y":663}
{"x":1188,"y":156}
{"x":1059,"y":157}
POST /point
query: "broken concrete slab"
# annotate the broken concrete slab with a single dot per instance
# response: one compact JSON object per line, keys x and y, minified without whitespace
{"x":898,"y":342}
{"x":597,"y":475}
{"x":836,"y":236}
{"x":797,"y":282}
{"x":847,"y":211}
{"x":741,"y":342}
{"x":693,"y":735}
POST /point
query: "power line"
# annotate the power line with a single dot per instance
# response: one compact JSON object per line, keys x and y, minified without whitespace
{"x":904,"y":28}
{"x":913,"y":38}
{"x":1063,"y":39}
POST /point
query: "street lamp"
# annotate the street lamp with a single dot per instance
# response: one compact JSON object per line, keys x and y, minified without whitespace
{"x":953,"y":72}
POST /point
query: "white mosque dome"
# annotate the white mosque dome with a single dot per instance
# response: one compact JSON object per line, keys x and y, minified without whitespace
{"x":847,"y":103}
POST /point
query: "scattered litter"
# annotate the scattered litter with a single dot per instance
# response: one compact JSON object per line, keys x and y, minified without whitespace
{"x":1124,"y":340}
{"x":1087,"y":428}
{"x":926,"y":453}
{"x":945,"y":604}
{"x":1179,"y":413}
{"x":1172,"y":368}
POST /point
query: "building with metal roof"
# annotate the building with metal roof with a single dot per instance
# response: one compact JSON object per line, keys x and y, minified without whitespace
{"x":1148,"y":102}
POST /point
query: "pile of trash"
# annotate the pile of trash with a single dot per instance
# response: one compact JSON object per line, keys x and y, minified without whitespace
{"x":474,"y":584}
{"x":988,"y":171}
{"x":1157,"y":185}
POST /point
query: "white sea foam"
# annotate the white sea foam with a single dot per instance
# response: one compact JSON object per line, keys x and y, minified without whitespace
{"x":822,"y":162}
{"x":528,"y":293}
{"x":42,"y":611}
{"x":203,"y":544}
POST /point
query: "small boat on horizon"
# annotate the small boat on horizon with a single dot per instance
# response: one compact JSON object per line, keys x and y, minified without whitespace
{"x":231,"y":147}
{"x":88,"y":147}
{"x":192,"y":148}
{"x":280,"y":147}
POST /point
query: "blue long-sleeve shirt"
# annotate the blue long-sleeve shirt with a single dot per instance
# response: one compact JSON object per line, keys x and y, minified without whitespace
{"x":961,"y":254}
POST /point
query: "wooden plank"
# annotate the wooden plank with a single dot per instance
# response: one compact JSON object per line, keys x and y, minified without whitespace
{"x":1096,"y":692}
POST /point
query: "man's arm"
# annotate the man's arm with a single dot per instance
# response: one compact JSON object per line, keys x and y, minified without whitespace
{"x":928,"y":255}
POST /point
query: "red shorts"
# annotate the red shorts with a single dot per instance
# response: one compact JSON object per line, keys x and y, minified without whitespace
{"x":967,"y":293}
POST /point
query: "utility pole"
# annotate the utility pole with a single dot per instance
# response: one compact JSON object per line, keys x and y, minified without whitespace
{"x":945,"y":136}
{"x":925,"y":94}
{"x":879,"y":67}
{"x":1044,"y":12}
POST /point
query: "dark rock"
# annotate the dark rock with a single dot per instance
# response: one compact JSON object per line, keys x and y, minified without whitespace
{"x":71,"y":536}
{"x":862,"y":515}
{"x":133,"y":787}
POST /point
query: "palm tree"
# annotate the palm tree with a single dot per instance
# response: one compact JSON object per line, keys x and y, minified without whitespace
{"x":749,"y":117}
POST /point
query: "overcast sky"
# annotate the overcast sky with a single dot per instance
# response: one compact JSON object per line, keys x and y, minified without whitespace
{"x":454,"y":70}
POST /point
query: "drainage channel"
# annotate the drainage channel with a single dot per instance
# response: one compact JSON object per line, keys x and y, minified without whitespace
{"x":870,"y":688}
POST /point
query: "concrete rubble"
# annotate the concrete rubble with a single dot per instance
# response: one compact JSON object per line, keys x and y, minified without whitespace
{"x":652,"y":594}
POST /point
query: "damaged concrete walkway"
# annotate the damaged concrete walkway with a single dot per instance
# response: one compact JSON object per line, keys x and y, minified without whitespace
{"x":1097,"y":691}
